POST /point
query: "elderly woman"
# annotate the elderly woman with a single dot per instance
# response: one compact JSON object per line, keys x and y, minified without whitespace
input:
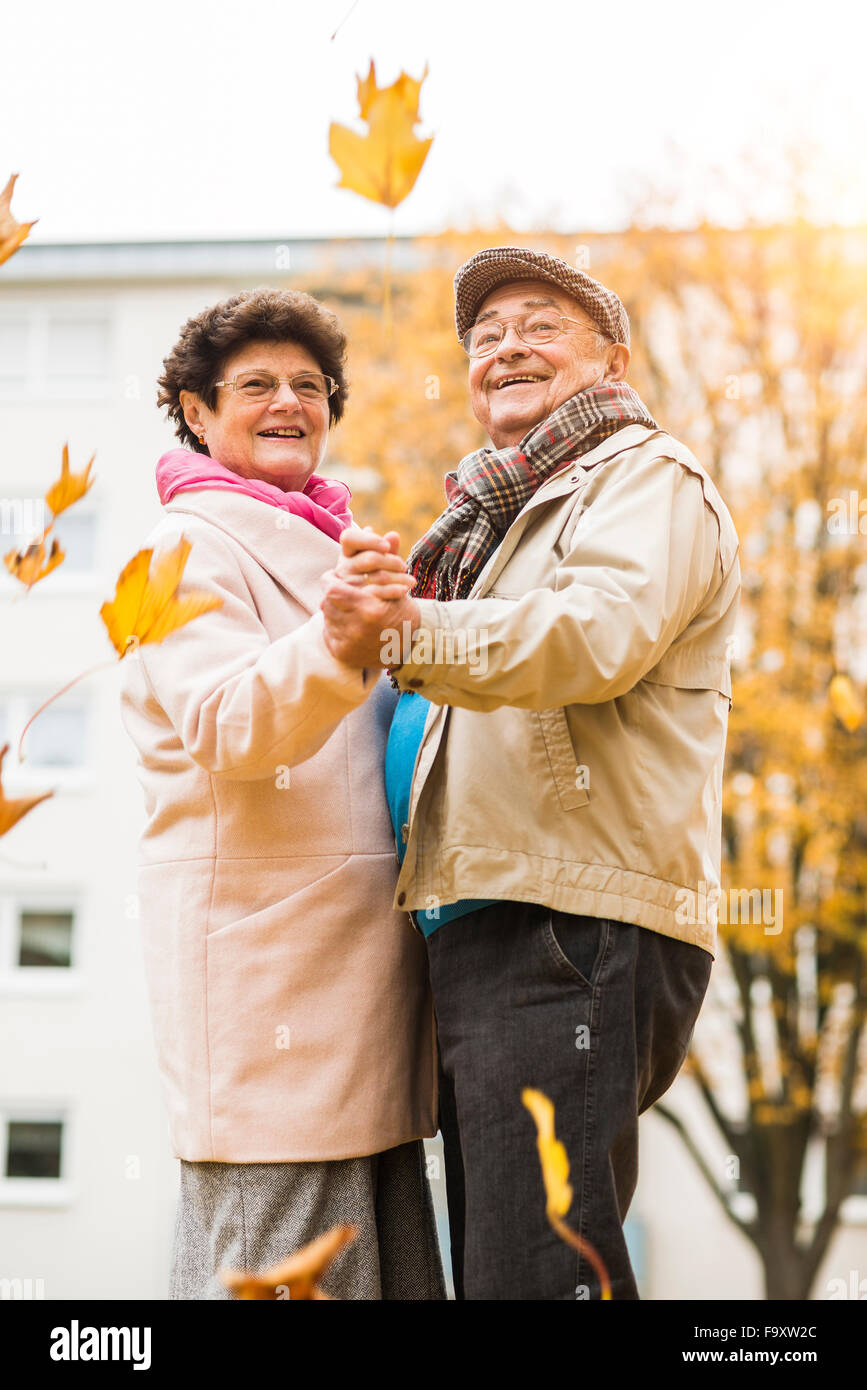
{"x":291,"y":1004}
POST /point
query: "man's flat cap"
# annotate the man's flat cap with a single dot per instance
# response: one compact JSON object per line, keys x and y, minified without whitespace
{"x":488,"y":269}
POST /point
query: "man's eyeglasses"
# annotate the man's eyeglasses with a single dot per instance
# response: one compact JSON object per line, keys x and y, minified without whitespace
{"x":541,"y":326}
{"x":255,"y":385}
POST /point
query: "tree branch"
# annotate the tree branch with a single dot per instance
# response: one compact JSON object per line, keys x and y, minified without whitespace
{"x":745,"y":1228}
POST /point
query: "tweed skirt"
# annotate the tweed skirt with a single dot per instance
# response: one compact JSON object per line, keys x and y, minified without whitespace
{"x":254,"y":1215}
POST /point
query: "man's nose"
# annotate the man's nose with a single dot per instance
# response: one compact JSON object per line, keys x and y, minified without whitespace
{"x":510,"y":344}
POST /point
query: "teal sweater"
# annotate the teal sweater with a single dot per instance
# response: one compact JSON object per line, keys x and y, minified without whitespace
{"x":404,"y":738}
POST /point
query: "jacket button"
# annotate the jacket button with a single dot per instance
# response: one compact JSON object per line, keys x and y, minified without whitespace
{"x":415,"y":684}
{"x":404,"y":833}
{"x":401,"y":899}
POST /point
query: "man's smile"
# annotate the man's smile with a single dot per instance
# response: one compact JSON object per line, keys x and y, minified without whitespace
{"x":517,"y":379}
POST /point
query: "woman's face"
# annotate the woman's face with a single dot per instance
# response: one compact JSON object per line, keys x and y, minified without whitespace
{"x":281,"y":441}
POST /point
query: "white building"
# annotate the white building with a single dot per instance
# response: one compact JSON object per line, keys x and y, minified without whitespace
{"x":87,"y":1178}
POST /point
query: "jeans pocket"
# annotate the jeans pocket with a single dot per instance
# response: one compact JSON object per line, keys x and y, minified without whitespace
{"x":576,"y":944}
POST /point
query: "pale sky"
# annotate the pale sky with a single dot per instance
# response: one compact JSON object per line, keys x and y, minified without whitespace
{"x":201,"y":118}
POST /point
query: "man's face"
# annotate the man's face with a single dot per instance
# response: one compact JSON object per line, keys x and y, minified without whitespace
{"x":578,"y":358}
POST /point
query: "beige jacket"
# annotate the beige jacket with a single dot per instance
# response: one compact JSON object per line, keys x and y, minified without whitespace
{"x":290,"y":1001}
{"x":580,"y":764}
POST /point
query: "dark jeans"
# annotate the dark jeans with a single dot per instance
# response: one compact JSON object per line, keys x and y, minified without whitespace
{"x":597,"y":1014}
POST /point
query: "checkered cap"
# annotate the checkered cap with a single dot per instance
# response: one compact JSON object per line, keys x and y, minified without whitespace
{"x":487,"y":269}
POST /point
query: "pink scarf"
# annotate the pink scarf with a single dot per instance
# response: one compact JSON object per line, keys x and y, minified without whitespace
{"x":324,"y":502}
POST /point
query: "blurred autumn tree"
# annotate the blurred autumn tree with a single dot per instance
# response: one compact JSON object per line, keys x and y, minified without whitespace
{"x":408,"y":421}
{"x":751,"y":346}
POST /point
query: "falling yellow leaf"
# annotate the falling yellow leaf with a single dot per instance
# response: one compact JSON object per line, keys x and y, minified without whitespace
{"x":384,"y":164}
{"x":555,"y":1174}
{"x":552,"y":1155}
{"x":11,"y":810}
{"x":846,"y":703}
{"x":12,"y":233}
{"x":298,"y":1277}
{"x":146,"y":607}
{"x":32,"y":564}
{"x":69,"y":486}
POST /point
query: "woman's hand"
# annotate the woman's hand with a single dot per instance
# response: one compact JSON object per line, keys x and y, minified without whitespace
{"x":373,"y":561}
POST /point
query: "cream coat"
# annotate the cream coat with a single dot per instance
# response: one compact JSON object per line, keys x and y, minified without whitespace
{"x":581,"y":764}
{"x":290,"y":1002}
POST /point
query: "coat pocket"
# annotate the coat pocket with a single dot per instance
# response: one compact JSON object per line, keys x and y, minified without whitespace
{"x":562,"y":761}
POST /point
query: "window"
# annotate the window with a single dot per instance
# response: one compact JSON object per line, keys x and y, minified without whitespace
{"x":57,"y":737}
{"x":23,"y":519}
{"x":76,"y":533}
{"x":45,"y":938}
{"x":13,"y":351}
{"x":33,"y":1149}
{"x":39,"y":941}
{"x":57,"y":741}
{"x":34,"y":1145}
{"x":56,"y":351}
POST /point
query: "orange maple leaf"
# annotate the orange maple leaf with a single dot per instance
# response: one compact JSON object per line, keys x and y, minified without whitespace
{"x":146,"y":606}
{"x":296,"y":1278}
{"x":12,"y":233}
{"x":32,"y":563}
{"x":384,"y":164}
{"x":69,"y":486}
{"x":12,"y":809}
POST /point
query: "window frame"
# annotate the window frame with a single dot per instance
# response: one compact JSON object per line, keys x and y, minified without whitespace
{"x":59,"y":582}
{"x":40,"y":980}
{"x":20,"y":702}
{"x":37,"y":385}
{"x":38,"y":1192}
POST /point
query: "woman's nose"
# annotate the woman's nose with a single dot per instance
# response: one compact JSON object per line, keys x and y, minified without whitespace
{"x":284,"y":398}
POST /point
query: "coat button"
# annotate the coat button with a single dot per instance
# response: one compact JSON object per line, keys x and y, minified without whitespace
{"x":401,"y":899}
{"x":415,"y":684}
{"x":404,"y":832}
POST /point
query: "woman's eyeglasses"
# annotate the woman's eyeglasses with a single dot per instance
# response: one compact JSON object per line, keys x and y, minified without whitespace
{"x":255,"y":385}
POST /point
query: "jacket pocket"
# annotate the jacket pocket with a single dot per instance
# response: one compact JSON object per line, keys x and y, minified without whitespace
{"x":690,"y":670}
{"x":561,"y":758}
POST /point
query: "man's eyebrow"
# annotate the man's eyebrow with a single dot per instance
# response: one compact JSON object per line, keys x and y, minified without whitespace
{"x":537,"y":303}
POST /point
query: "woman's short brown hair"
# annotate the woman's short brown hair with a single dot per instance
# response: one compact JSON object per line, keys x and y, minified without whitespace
{"x":209,"y":339}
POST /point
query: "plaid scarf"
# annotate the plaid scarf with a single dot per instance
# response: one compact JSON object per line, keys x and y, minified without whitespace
{"x":491,"y":486}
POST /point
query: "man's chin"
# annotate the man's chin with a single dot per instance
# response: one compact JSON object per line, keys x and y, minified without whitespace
{"x":512,"y":425}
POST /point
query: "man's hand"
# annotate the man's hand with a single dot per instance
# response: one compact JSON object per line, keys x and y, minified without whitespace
{"x":367,"y":593}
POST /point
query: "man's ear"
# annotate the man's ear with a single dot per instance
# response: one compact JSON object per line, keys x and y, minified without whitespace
{"x":618,"y":361}
{"x":193,"y":411}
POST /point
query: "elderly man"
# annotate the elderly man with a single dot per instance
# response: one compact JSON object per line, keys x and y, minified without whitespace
{"x":555,"y":764}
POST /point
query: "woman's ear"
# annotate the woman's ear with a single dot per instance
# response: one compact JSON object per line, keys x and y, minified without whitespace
{"x":193,"y":412}
{"x":618,"y":361}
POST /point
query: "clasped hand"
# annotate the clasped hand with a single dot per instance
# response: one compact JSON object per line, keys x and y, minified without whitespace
{"x":367,"y":592}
